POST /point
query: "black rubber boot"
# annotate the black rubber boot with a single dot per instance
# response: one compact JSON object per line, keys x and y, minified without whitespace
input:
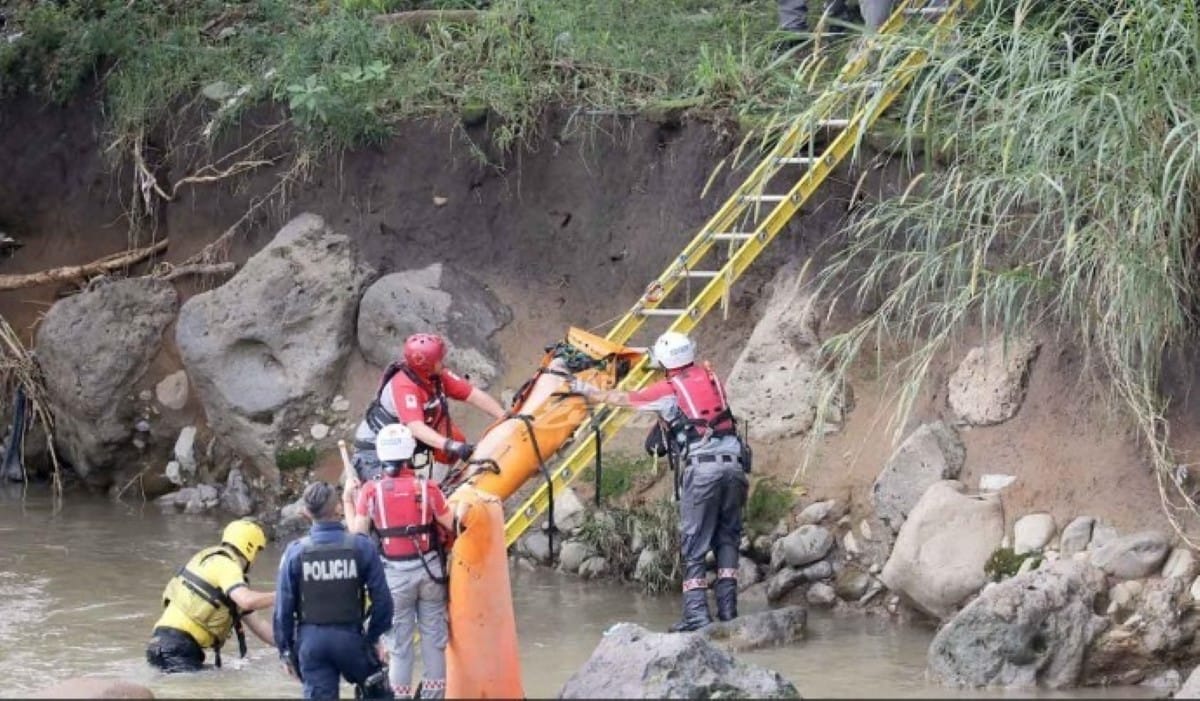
{"x":695,"y":611}
{"x":725,"y":592}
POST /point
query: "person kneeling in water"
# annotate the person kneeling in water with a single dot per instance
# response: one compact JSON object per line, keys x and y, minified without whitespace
{"x":415,"y":526}
{"x":208,"y":599}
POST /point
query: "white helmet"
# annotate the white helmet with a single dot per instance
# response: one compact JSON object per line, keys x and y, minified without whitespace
{"x":673,"y":350}
{"x":395,"y":443}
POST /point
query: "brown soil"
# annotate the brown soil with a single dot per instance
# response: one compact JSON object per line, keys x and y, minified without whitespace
{"x":565,"y":234}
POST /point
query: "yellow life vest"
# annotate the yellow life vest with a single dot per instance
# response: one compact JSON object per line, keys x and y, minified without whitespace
{"x":201,"y":601}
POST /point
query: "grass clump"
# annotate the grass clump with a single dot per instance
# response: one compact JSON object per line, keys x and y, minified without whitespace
{"x":767,"y":503}
{"x":619,"y":474}
{"x":1071,"y":201}
{"x":291,"y":459}
{"x":1005,"y":563}
{"x":621,"y":535}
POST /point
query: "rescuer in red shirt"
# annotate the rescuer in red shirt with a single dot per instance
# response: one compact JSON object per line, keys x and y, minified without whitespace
{"x":416,"y":392}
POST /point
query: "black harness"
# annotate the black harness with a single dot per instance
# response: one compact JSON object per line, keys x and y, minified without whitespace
{"x":216,"y":598}
{"x":436,"y":410}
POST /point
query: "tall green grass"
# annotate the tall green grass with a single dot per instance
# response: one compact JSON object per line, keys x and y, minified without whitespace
{"x":346,"y":80}
{"x":1070,"y":201}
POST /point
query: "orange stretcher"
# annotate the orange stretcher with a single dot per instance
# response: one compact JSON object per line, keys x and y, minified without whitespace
{"x":482,"y":656}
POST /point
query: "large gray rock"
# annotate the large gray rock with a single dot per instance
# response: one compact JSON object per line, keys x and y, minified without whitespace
{"x":931,"y":454}
{"x":94,"y":688}
{"x":806,"y":544}
{"x":569,"y":511}
{"x":989,"y":385}
{"x":1160,"y":634}
{"x":777,"y":382}
{"x":92,"y":348}
{"x":942,"y":548}
{"x":1191,"y":687}
{"x":237,"y":499}
{"x":573,"y":554}
{"x":1132,"y":556}
{"x":1033,"y":532}
{"x":1027,"y":631}
{"x":748,"y":573}
{"x":433,"y":299}
{"x":1180,"y":563}
{"x":634,"y":663}
{"x":266,"y":350}
{"x":537,"y":546}
{"x":758,"y":630}
{"x":783,"y":582}
{"x":1076,"y":536}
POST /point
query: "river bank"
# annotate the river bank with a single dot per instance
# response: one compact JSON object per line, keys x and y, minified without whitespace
{"x":79,"y":600}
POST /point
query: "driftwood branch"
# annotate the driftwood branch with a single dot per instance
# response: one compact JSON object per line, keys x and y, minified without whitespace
{"x":76,"y":272}
{"x":172,"y":273}
{"x":420,"y":18}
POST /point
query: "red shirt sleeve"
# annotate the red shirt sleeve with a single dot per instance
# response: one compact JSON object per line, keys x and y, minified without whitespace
{"x":455,"y":386}
{"x":409,"y":400}
{"x":651,"y":396}
{"x":366,"y":500}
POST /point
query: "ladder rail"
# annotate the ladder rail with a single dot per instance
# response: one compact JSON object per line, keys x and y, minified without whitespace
{"x":739,"y":261}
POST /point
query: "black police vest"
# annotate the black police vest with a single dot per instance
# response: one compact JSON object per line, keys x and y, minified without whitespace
{"x":331,"y":590}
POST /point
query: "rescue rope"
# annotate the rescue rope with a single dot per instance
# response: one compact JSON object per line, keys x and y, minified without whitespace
{"x":537,"y":451}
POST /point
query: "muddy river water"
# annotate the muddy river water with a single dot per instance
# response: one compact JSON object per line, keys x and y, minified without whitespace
{"x":79,"y":592}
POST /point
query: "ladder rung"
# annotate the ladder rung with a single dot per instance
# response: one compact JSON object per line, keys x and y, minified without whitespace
{"x":662,"y":312}
{"x":925,"y":10}
{"x":833,"y":123}
{"x":797,"y":161}
{"x":733,"y":236}
{"x":764,"y":198}
{"x":699,"y":273}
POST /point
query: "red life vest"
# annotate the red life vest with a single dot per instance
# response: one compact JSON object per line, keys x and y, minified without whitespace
{"x":404,"y":518}
{"x":702,"y":399}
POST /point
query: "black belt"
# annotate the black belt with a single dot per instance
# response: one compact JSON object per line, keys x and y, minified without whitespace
{"x":405,"y":558}
{"x":717,"y":458}
{"x":364,"y":445}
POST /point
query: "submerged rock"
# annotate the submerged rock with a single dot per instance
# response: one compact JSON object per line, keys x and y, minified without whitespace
{"x":634,"y":663}
{"x":1029,"y":631}
{"x":95,"y":688}
{"x":758,"y":630}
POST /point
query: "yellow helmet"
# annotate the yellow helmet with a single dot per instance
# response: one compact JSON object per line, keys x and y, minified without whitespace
{"x":246,"y":537}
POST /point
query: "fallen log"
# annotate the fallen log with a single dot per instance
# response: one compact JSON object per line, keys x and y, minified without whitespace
{"x":420,"y":18}
{"x":76,"y":272}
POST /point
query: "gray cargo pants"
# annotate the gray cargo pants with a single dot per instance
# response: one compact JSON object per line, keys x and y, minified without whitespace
{"x":420,"y":604}
{"x":711,"y":500}
{"x":793,"y":14}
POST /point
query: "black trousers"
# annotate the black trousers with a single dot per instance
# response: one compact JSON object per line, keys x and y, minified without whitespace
{"x":173,"y":650}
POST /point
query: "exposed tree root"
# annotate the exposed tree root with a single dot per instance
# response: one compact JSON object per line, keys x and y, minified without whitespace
{"x":79,"y":272}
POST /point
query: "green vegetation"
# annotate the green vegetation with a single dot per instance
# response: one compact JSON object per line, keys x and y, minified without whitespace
{"x":1005,"y":563}
{"x":296,"y":458}
{"x":1070,"y":200}
{"x":614,"y":532}
{"x":619,"y":474}
{"x":347,"y":79}
{"x":768,"y":502}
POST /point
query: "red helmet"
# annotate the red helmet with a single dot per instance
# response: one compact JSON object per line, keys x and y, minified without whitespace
{"x":423,"y":352}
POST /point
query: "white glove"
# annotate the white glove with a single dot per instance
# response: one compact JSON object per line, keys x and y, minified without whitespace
{"x":578,"y":386}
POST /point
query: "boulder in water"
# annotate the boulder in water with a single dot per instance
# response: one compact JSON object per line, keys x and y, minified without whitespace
{"x":758,"y":630}
{"x":634,"y":663}
{"x":95,"y":688}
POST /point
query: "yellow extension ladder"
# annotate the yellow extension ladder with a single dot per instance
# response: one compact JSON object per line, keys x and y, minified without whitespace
{"x":748,"y":221}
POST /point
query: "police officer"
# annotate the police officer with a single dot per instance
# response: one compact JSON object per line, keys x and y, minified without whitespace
{"x":320,"y":598}
{"x":208,"y":599}
{"x":414,"y":524}
{"x":415,"y":393}
{"x":701,"y":432}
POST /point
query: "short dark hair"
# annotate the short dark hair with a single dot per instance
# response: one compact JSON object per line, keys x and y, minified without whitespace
{"x":320,"y":499}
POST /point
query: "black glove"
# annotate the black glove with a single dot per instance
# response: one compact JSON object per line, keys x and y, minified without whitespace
{"x":459,"y":449}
